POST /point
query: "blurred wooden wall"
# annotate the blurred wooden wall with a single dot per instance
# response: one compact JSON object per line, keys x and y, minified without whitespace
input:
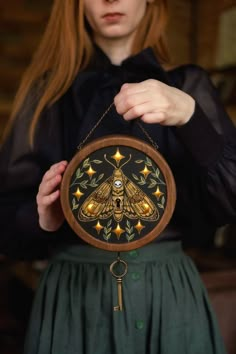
{"x":21,"y":26}
{"x":192,"y":36}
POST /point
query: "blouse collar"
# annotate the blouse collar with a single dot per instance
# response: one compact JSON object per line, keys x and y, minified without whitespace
{"x":142,"y":65}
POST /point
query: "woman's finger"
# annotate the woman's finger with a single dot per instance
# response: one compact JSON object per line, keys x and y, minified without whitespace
{"x":51,"y":179}
{"x":132,"y":100}
{"x":48,"y":186}
{"x":47,"y":200}
{"x":55,"y":169}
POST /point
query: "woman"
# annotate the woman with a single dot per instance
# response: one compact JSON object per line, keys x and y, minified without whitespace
{"x":94,"y":53}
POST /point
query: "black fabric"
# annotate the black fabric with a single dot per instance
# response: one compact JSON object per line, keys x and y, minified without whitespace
{"x":201,"y":154}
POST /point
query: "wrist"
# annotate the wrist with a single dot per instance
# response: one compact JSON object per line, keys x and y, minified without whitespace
{"x":50,"y":224}
{"x":189,"y":111}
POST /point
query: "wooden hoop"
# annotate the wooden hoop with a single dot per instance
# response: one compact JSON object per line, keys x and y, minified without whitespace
{"x":117,"y":141}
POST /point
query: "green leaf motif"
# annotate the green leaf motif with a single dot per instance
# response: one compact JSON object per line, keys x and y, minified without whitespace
{"x":97,"y":161}
{"x":142,"y":181}
{"x":93,"y":183}
{"x":163,"y":199}
{"x":83,"y":184}
{"x":135,"y":177}
{"x":129,"y":231}
{"x":107,"y":231}
{"x":107,"y":236}
{"x":100,"y":177}
{"x":86,"y":163}
{"x":153,"y":183}
{"x":148,"y":161}
{"x":130,"y":238}
{"x":139,"y":161}
{"x":79,"y":173}
{"x":74,"y":204}
{"x":157,"y":173}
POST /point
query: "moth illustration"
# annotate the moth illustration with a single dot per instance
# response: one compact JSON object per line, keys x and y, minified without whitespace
{"x":118,"y":196}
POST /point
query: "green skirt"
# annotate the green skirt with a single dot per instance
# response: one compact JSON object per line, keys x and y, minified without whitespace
{"x":166,"y":308}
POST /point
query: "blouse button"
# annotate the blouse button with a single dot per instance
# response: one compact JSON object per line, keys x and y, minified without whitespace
{"x":139,"y":324}
{"x":133,"y":254}
{"x":135,"y":276}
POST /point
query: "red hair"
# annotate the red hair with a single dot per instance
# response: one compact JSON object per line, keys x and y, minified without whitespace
{"x":66,"y":48}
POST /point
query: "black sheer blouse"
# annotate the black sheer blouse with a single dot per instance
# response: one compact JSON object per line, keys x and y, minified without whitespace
{"x":201,"y":154}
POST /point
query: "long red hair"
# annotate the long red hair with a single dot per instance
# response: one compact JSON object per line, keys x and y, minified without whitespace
{"x":66,"y":48}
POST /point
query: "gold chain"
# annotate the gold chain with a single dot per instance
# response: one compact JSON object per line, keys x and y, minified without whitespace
{"x":95,"y":126}
{"x":79,"y":147}
{"x":147,"y":135}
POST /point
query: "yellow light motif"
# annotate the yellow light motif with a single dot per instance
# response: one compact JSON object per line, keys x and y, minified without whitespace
{"x":90,"y":207}
{"x":90,"y":172}
{"x":117,"y":157}
{"x":78,"y":194}
{"x":145,"y":172}
{"x":158,"y":193}
{"x":139,"y":227}
{"x":146,"y":208}
{"x":118,"y":231}
{"x":98,"y":227}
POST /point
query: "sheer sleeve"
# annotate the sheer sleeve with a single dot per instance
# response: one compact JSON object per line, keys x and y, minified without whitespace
{"x":21,"y":171}
{"x":210,"y":138}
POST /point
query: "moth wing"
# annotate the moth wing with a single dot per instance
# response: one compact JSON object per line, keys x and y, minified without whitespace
{"x":98,"y":204}
{"x":129,"y":211}
{"x":137,"y":204}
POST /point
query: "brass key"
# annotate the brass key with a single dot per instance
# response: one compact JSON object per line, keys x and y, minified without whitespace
{"x":119,"y":278}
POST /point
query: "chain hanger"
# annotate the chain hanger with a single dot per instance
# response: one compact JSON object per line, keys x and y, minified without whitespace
{"x":79,"y":147}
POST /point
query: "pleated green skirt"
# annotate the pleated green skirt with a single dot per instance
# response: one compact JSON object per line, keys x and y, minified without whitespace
{"x":166,"y":308}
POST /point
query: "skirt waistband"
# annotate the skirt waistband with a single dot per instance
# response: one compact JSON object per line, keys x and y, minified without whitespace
{"x":150,"y":253}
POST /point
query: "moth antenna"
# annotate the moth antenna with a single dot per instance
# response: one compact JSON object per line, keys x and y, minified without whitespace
{"x":105,"y":157}
{"x":126,"y":161}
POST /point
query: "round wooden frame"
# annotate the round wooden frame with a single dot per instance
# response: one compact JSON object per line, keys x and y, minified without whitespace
{"x":118,"y":140}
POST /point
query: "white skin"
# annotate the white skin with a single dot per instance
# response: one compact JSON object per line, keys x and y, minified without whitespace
{"x":114,"y":26}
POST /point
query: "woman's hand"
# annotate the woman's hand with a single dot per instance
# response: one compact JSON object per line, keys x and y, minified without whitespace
{"x":49,"y":207}
{"x":154,"y":102}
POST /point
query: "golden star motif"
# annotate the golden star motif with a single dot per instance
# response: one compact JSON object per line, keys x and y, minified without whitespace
{"x":139,"y":227}
{"x":78,"y":194}
{"x":90,"y":172}
{"x":145,"y":172}
{"x":118,"y":231}
{"x":158,"y":193}
{"x":98,"y":227}
{"x":117,"y":157}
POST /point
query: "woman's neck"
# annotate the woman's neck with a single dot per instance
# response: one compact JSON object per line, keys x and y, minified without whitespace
{"x":116,"y":50}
